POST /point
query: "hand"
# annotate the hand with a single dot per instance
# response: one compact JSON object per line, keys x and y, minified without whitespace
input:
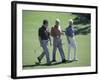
{"x":62,"y":33}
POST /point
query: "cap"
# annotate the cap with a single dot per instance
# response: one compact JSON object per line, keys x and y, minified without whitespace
{"x":57,"y":20}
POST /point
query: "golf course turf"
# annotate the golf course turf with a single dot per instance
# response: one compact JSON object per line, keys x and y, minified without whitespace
{"x":31,"y":49}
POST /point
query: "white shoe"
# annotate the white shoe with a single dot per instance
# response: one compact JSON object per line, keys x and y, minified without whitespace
{"x":69,"y":59}
{"x":75,"y":59}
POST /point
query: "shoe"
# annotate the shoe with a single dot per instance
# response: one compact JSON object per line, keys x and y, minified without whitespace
{"x":48,"y":63}
{"x":39,"y":60}
{"x":53,"y":61}
{"x":69,"y":59}
{"x":75,"y":59}
{"x":37,"y":63}
{"x":63,"y":61}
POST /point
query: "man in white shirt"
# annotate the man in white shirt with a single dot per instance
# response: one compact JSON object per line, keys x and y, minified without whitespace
{"x":56,"y":34}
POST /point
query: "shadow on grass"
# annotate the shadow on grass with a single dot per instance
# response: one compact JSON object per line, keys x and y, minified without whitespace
{"x":81,"y":21}
{"x":83,"y":31}
{"x":52,"y":64}
{"x":82,"y":18}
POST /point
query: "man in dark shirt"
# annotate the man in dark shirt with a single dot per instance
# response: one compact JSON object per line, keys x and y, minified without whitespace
{"x":44,"y":36}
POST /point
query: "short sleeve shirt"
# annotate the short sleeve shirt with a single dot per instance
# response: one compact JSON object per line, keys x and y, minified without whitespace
{"x":69,"y":31}
{"x":43,"y":33}
{"x":55,"y":31}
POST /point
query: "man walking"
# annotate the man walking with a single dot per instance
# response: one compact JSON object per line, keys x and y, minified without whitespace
{"x":56,"y":34}
{"x":70,"y":34}
{"x":44,"y":36}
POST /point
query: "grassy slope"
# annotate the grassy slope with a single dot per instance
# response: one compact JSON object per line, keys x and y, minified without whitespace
{"x":31,"y":48}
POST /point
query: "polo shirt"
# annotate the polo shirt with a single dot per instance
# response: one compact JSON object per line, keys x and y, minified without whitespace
{"x":43,"y":33}
{"x":69,"y":31}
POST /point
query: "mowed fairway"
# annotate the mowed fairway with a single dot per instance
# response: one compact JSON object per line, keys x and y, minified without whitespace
{"x":31,"y":49}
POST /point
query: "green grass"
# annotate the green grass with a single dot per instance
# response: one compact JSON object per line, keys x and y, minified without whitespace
{"x":31,"y":49}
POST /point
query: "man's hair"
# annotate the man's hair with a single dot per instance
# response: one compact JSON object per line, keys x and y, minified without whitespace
{"x":45,"y":21}
{"x":57,"y":20}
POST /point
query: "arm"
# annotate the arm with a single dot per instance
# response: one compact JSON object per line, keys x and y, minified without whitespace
{"x":40,"y":41}
{"x":72,"y":33}
{"x":52,"y":32}
{"x":68,"y":39}
{"x":50,"y":41}
{"x":49,"y":38}
{"x":39,"y":34}
{"x":62,"y":32}
{"x":67,"y":35}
